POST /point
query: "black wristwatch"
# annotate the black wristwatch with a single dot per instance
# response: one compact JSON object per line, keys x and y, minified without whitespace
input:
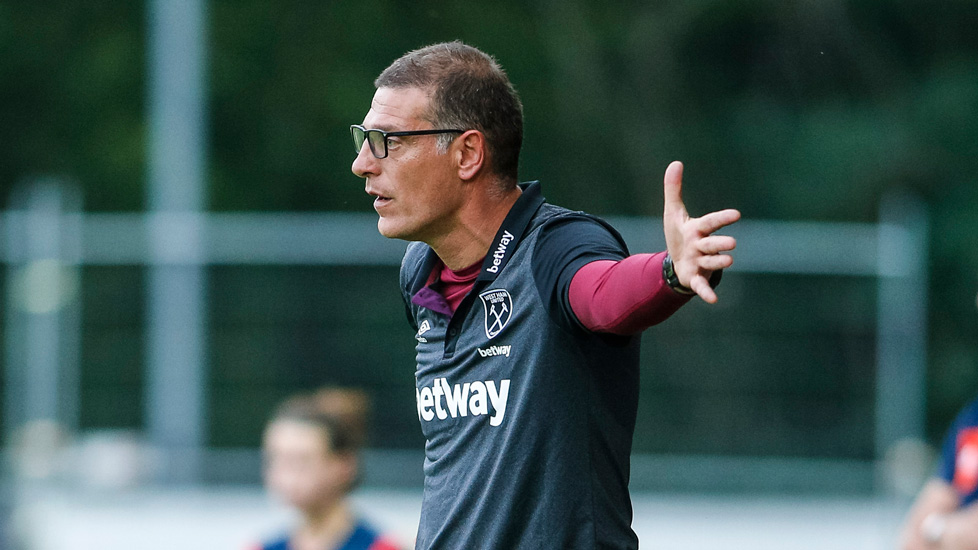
{"x":669,"y":274}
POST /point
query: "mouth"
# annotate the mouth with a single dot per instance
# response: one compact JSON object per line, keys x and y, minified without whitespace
{"x":379,"y":200}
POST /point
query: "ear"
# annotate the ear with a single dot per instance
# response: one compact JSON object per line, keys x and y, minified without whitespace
{"x":471,"y":154}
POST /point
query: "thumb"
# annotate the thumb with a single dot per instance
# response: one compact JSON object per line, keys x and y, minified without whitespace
{"x":673,"y":187}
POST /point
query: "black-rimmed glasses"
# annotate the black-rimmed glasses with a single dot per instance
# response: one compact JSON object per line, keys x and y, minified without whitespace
{"x":378,"y":138}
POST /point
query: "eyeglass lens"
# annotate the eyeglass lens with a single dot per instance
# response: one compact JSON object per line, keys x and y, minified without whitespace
{"x":378,"y":143}
{"x":374,"y":138}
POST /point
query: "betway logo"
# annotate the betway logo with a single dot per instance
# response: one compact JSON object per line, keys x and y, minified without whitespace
{"x":497,"y":256}
{"x":470,"y":398}
{"x":493,"y":351}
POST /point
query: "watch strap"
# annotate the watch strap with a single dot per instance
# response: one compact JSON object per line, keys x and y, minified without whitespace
{"x":669,"y":274}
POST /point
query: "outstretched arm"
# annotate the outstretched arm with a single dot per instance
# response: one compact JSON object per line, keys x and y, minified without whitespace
{"x":628,"y":296}
{"x":696,"y":252}
{"x":623,"y":297}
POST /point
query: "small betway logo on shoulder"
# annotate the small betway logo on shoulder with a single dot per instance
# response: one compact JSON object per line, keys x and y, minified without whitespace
{"x":500,"y":253}
{"x":498,"y":305}
{"x":478,"y":398}
{"x":494,"y":351}
{"x":425,"y":327}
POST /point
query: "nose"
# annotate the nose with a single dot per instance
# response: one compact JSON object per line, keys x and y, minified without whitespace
{"x":366,"y":163}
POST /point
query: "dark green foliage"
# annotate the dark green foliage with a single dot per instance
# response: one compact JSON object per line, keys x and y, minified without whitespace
{"x":798,"y":111}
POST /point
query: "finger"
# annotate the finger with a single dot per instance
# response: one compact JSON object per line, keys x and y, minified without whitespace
{"x":715,"y":263}
{"x":701,"y":286}
{"x":716,"y":244}
{"x":673,"y":187}
{"x":708,"y":223}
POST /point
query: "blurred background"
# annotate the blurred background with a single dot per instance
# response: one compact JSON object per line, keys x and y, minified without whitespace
{"x":184,"y":246}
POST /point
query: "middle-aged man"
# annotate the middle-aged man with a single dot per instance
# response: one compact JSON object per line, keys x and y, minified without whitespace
{"x":527,"y":315}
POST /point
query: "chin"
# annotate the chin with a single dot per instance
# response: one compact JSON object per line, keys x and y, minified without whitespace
{"x":391,"y":230}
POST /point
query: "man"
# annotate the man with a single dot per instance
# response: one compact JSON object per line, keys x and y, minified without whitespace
{"x":527,"y":315}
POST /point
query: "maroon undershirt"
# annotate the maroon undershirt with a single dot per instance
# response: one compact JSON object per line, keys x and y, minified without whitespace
{"x":456,"y":284}
{"x":618,"y":297}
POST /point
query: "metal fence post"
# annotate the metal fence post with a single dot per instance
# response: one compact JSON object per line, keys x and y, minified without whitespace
{"x":901,"y":336}
{"x":176,"y":412}
{"x":43,"y":322}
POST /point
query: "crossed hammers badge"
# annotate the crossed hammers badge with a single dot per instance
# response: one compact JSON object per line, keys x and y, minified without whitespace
{"x":498,"y":305}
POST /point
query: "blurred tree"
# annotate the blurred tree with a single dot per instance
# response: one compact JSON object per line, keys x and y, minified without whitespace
{"x":71,"y":99}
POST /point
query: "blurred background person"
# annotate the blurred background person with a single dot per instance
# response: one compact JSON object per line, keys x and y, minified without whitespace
{"x":945,"y":514}
{"x":311,"y":463}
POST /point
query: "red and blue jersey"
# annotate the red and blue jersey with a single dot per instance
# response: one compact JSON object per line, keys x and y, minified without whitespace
{"x":959,"y":455}
{"x":363,"y":537}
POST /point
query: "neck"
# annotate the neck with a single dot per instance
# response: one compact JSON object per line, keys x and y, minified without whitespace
{"x":325,"y":527}
{"x":478,"y":222}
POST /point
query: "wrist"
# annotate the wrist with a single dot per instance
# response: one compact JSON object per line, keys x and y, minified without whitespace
{"x":671,"y":279}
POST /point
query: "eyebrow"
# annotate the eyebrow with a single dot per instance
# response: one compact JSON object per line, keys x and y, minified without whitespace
{"x":389,"y":128}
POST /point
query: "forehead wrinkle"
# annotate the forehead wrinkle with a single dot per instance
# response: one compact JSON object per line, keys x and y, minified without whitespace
{"x":391,"y":110}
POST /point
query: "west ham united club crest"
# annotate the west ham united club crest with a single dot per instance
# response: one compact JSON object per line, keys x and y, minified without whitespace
{"x":499,"y":310}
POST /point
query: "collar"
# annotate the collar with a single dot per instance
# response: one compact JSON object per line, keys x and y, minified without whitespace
{"x":511,"y":231}
{"x":503,"y":245}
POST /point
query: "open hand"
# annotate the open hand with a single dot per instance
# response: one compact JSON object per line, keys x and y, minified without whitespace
{"x":696,"y":252}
